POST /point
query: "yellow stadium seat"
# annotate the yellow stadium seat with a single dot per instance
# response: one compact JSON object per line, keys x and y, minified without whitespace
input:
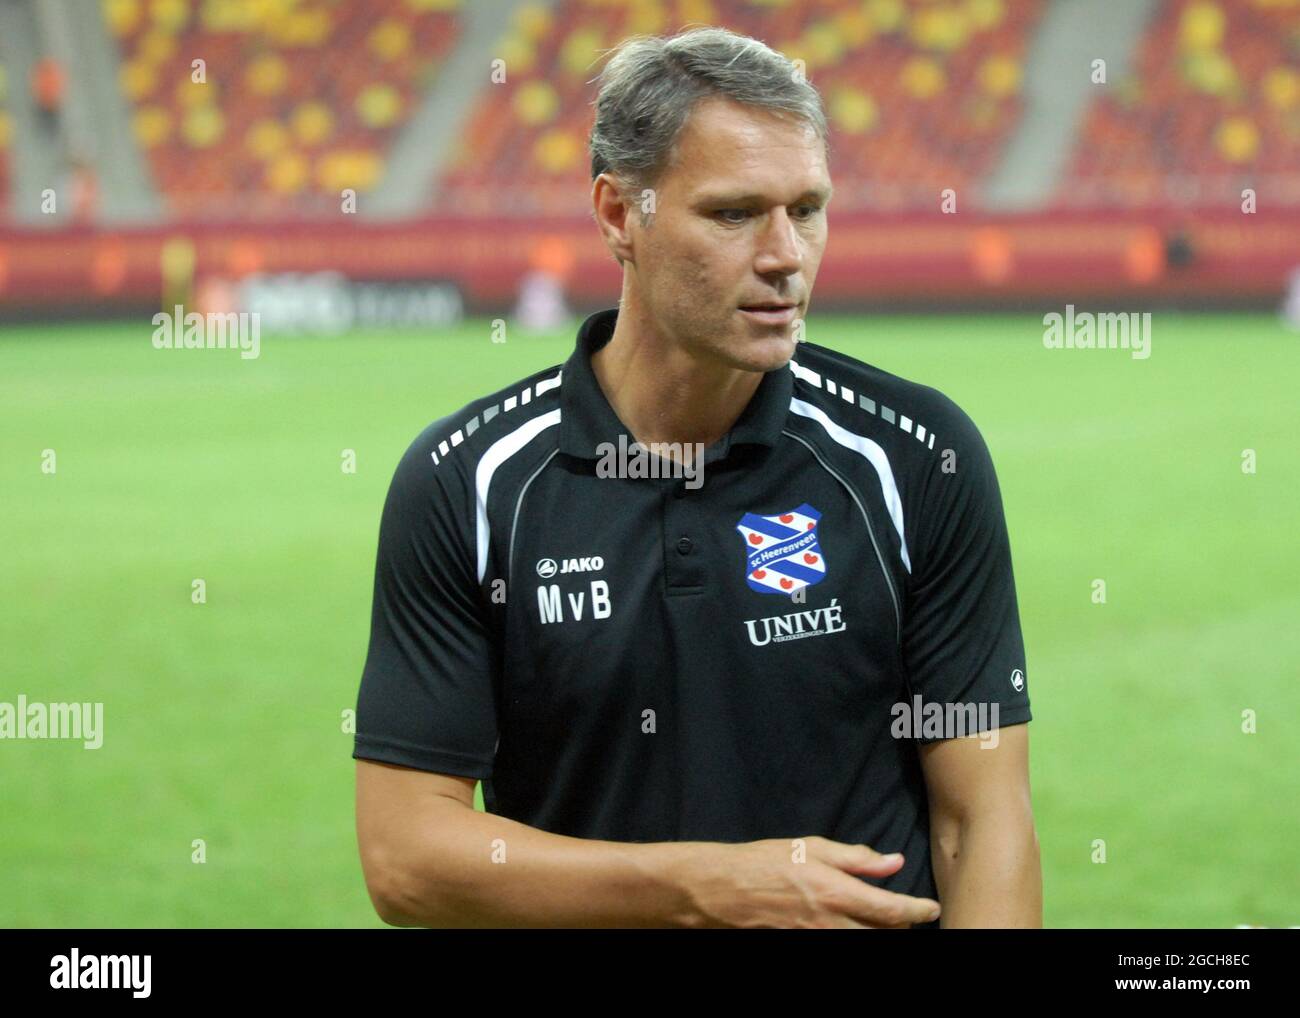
{"x":518,"y":54}
{"x":137,"y":79}
{"x":1201,"y":26}
{"x":557,"y":151}
{"x":312,"y":123}
{"x":203,"y":126}
{"x":852,"y":111}
{"x":536,"y":103}
{"x":1210,"y":71}
{"x":358,"y":169}
{"x":1281,"y":88}
{"x":152,"y":126}
{"x":266,"y":139}
{"x":886,"y":15}
{"x":646,"y":17}
{"x":580,"y":50}
{"x":379,"y":105}
{"x":939,"y":28}
{"x":696,"y":12}
{"x":156,"y":46}
{"x":533,"y":21}
{"x":304,"y":29}
{"x":389,"y":40}
{"x":170,"y":15}
{"x":267,"y":74}
{"x":854,"y":27}
{"x":1237,"y":139}
{"x":287,"y":173}
{"x":121,"y":16}
{"x":985,"y":14}
{"x":999,"y":75}
{"x":823,"y":45}
{"x":191,"y":94}
{"x":923,"y":78}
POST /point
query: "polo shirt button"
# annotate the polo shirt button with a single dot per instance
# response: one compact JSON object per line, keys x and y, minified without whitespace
{"x":685,"y":545}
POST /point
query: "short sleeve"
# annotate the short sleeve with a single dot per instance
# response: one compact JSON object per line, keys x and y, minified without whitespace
{"x":427,"y":691}
{"x":962,"y":642}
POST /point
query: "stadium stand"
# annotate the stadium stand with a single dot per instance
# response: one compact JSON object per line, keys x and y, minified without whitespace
{"x":1214,"y":107}
{"x":6,"y":138}
{"x":476,"y":184}
{"x":299,"y":100}
{"x":920,"y":96}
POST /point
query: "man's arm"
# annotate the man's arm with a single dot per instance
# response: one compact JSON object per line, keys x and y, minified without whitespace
{"x":983,"y":845}
{"x":431,"y":859}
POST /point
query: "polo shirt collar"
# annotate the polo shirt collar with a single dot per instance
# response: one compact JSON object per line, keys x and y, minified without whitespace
{"x":587,"y":419}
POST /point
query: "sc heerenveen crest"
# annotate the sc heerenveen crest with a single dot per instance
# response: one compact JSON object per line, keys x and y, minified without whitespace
{"x":783,"y":553}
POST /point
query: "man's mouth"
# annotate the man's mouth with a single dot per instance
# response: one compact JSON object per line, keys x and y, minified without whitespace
{"x":771,"y":312}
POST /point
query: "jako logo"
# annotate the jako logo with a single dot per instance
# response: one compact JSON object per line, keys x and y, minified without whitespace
{"x":546,"y":568}
{"x":102,"y":972}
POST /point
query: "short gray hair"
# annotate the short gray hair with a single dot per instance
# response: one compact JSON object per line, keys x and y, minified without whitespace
{"x":651,"y":83}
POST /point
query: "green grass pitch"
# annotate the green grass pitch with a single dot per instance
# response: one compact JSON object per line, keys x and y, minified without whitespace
{"x":223,"y":721}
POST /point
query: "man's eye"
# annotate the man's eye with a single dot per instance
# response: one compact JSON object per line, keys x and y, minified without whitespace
{"x":738,"y":216}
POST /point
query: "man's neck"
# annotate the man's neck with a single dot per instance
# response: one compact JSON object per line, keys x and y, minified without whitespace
{"x":663,"y":394}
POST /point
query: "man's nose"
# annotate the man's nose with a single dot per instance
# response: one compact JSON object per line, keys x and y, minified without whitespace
{"x":779,"y":250}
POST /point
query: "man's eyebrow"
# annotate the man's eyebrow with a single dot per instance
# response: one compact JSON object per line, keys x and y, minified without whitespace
{"x":813,"y":194}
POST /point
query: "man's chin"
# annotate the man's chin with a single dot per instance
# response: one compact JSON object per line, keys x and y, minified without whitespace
{"x":766,"y":353}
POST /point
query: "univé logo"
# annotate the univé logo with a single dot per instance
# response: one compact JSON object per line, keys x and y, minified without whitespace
{"x":548,"y":567}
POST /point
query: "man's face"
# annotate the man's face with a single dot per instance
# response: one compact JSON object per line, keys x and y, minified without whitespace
{"x":739,"y":223}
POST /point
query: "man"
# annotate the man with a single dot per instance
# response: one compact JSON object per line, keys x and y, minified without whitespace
{"x":679,"y":690}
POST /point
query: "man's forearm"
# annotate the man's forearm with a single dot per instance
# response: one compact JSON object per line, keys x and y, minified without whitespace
{"x":988,"y":873}
{"x":463,"y":868}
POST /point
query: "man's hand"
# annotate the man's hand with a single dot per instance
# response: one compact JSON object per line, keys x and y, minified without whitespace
{"x":759,"y":884}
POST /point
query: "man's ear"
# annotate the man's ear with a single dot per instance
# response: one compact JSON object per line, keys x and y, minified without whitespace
{"x":611,"y":211}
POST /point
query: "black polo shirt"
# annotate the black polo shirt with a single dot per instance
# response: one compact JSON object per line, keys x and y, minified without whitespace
{"x":714,"y":658}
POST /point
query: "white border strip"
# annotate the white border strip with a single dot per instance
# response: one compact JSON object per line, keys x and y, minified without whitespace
{"x":497,"y":453}
{"x":874,"y":455}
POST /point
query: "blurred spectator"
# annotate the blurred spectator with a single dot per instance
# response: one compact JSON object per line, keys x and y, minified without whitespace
{"x":1291,"y":306}
{"x":49,"y":83}
{"x":83,"y":187}
{"x":542,"y":305}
